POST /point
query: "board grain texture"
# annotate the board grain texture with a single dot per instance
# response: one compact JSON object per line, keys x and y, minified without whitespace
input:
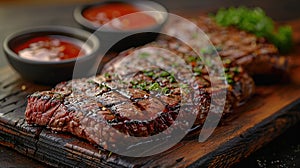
{"x":271,"y":111}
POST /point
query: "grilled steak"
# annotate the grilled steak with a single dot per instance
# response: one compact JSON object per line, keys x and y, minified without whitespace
{"x":255,"y":54}
{"x":141,"y":93}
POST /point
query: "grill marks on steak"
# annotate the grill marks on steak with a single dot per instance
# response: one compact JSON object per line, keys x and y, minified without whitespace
{"x":255,"y":54}
{"x":140,"y":94}
{"x":87,"y":110}
{"x":42,"y":106}
{"x":240,"y":87}
{"x":136,"y":98}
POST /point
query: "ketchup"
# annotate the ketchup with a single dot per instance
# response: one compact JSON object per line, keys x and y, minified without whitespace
{"x":49,"y":48}
{"x":103,"y":14}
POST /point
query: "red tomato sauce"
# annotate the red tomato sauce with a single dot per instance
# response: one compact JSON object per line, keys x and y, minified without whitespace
{"x":48,"y":48}
{"x":103,"y":14}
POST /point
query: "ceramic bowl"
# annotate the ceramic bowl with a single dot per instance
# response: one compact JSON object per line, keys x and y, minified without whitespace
{"x":51,"y":72}
{"x":118,"y":39}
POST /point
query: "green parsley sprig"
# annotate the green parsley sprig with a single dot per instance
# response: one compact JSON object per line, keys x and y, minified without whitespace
{"x":257,"y":22}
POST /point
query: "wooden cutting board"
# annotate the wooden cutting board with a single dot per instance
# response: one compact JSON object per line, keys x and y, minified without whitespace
{"x":269,"y":113}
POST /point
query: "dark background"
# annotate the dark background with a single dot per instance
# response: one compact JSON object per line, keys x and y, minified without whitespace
{"x":17,"y":14}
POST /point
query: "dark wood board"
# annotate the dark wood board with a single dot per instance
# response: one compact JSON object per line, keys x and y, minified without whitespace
{"x":269,"y":113}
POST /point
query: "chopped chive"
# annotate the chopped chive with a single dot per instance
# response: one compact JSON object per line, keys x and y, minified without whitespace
{"x":175,"y":65}
{"x":107,"y":75}
{"x":109,"y":154}
{"x":144,"y":55}
{"x":134,"y":82}
{"x":164,"y":74}
{"x":149,"y":86}
{"x":208,"y":62}
{"x":91,"y":81}
{"x":197,"y":70}
{"x":154,"y":86}
{"x":229,"y":78}
{"x":199,"y":59}
{"x":142,"y":85}
{"x":229,"y":81}
{"x":227,"y":61}
{"x":171,"y":78}
{"x":236,"y":70}
{"x":191,"y":58}
{"x":103,"y":85}
{"x":149,"y":73}
{"x":123,"y":82}
{"x":207,"y":50}
{"x":165,"y":90}
{"x":183,"y":86}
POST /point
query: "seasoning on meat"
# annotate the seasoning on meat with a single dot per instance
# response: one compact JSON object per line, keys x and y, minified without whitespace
{"x":139,"y":94}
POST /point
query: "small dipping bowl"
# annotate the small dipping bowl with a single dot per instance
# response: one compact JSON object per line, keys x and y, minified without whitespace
{"x":52,"y":70}
{"x":122,"y":24}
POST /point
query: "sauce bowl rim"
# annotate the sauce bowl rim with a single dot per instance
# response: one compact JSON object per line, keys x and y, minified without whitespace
{"x":79,"y":18}
{"x":53,"y":29}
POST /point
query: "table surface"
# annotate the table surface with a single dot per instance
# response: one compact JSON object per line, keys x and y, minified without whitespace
{"x":14,"y":15}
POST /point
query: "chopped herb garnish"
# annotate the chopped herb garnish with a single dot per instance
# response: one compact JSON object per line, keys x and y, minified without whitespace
{"x":207,"y":50}
{"x":103,"y":85}
{"x":109,"y":154}
{"x":142,"y":85}
{"x":227,"y":61}
{"x":164,"y":74}
{"x":229,"y":78}
{"x":144,"y":55}
{"x":165,"y":90}
{"x":208,"y":62}
{"x":199,"y":59}
{"x":203,"y":51}
{"x":171,"y":78}
{"x":134,"y":82}
{"x":148,"y":86}
{"x":149,"y":73}
{"x":123,"y":82}
{"x":91,"y":81}
{"x":107,"y":75}
{"x":236,"y":70}
{"x":197,"y":70}
{"x":229,"y":81}
{"x":191,"y":58}
{"x":175,"y":65}
{"x":183,"y":86}
{"x":154,"y":86}
{"x":58,"y":96}
{"x":161,"y":86}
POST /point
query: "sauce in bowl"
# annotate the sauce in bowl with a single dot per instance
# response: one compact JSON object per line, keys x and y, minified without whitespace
{"x":51,"y":48}
{"x":121,"y":16}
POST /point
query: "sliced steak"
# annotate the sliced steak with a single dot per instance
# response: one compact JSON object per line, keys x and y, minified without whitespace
{"x":141,"y":93}
{"x":255,"y":54}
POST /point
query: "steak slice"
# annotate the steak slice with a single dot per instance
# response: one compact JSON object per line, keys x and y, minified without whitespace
{"x":255,"y":54}
{"x":141,"y":93}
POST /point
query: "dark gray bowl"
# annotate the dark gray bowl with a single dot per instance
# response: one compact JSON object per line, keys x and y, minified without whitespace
{"x":51,"y":72}
{"x":118,"y":40}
